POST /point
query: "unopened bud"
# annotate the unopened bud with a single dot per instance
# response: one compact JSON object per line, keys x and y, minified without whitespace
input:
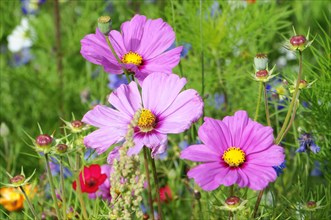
{"x":104,"y":24}
{"x":232,"y":201}
{"x":303,"y":84}
{"x":61,"y":148}
{"x":77,"y":124}
{"x":261,"y":74}
{"x":44,"y":140}
{"x":311,"y":204}
{"x":17,"y":180}
{"x":261,"y":61}
{"x":298,"y":40}
{"x":4,"y":130}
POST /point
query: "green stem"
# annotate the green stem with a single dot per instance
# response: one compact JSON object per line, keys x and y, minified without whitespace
{"x":148,"y":183}
{"x":29,"y":203}
{"x":266,"y":105}
{"x":157,"y":189}
{"x":118,"y":59}
{"x":78,"y":188}
{"x":258,"y":101}
{"x":51,"y":183}
{"x":294,"y":99}
{"x":202,"y":58}
{"x":258,"y":201}
{"x":64,"y":206}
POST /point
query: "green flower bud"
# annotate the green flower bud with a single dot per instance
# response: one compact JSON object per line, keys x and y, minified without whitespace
{"x":17,"y":180}
{"x":61,"y":148}
{"x":261,"y":61}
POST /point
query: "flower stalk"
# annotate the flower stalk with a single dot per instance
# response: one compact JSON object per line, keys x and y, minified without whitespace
{"x":258,"y":101}
{"x":29,"y":203}
{"x":79,"y":190}
{"x":157,"y":188}
{"x":51,"y":183}
{"x":150,"y":200}
{"x":282,"y":133}
{"x":64,"y":206}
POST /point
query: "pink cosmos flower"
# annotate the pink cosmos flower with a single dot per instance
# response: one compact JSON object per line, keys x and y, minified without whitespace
{"x":236,"y":150}
{"x":141,"y":45}
{"x":164,"y":110}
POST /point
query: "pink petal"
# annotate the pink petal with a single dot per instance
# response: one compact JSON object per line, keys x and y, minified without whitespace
{"x":114,"y":154}
{"x":178,"y":117}
{"x":204,"y":175}
{"x":200,"y":153}
{"x":236,"y":124}
{"x":227,"y":177}
{"x":163,"y":63}
{"x":160,"y":90}
{"x":132,"y":32}
{"x":215,"y":134}
{"x":151,"y":139}
{"x":256,"y":138}
{"x":243,"y":180}
{"x":116,"y":40}
{"x":158,"y":36}
{"x":103,"y":116}
{"x":272,"y":156}
{"x":126,"y":99}
{"x":103,"y":138}
{"x":259,"y":176}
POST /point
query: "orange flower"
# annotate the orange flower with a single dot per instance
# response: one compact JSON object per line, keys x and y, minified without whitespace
{"x":11,"y":199}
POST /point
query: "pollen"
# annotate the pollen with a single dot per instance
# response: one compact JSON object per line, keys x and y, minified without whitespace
{"x":234,"y":156}
{"x":146,"y":121}
{"x":132,"y":58}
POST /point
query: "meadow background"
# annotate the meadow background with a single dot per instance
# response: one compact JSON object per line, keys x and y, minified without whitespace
{"x":226,"y":35}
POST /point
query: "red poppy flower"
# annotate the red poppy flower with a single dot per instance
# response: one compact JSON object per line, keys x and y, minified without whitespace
{"x":91,"y":179}
{"x":165,"y":194}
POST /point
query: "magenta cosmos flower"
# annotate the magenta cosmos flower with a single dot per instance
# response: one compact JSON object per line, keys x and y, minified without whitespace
{"x":236,"y":150}
{"x":164,"y":110}
{"x":141,"y":46}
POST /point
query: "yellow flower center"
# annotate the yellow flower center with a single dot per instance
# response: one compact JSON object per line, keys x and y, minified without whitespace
{"x":234,"y":156}
{"x":146,"y":120}
{"x":132,"y":58}
{"x":280,"y":90}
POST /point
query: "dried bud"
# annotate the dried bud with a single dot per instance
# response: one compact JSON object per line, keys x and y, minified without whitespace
{"x":232,"y":201}
{"x":261,"y":61}
{"x":44,"y":140}
{"x":104,"y":24}
{"x":61,"y":148}
{"x":17,"y":180}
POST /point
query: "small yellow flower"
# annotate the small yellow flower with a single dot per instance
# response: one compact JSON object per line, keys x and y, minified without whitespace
{"x":11,"y":199}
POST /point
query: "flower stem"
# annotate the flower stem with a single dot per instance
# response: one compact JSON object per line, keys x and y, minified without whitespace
{"x":258,"y":201}
{"x":117,"y":58}
{"x":267,"y":114}
{"x":258,"y":101}
{"x":29,"y":203}
{"x":202,"y":59}
{"x":148,"y":183}
{"x":294,"y":99}
{"x":51,"y":183}
{"x":64,"y":206}
{"x":157,"y":189}
{"x":78,"y":188}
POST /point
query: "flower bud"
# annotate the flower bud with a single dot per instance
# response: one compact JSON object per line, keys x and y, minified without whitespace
{"x":17,"y":180}
{"x":197,"y":195}
{"x":262,"y":74}
{"x":61,"y":148}
{"x":261,"y":61}
{"x":298,"y":40}
{"x":232,"y":201}
{"x":311,"y":204}
{"x":104,"y":24}
{"x":44,"y":141}
{"x":145,"y":216}
{"x":303,"y":84}
{"x":4,"y":130}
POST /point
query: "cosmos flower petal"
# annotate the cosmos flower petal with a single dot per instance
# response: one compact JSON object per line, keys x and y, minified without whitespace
{"x":236,"y":124}
{"x":132,"y":32}
{"x":126,"y":99}
{"x":103,"y":138}
{"x":256,"y":137}
{"x":138,"y":145}
{"x":199,"y":153}
{"x":164,"y":62}
{"x":227,"y":177}
{"x":102,"y":116}
{"x":259,"y":176}
{"x":114,"y":154}
{"x":159,"y":91}
{"x":204,"y":175}
{"x":116,"y":41}
{"x":157,"y":38}
{"x":243,"y":179}
{"x":273,"y":156}
{"x":186,"y":109}
{"x":215,"y":134}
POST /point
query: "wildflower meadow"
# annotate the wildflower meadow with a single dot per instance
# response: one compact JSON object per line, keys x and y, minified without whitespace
{"x":165,"y":109}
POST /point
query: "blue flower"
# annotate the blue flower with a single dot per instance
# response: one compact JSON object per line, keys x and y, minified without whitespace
{"x":307,"y":143}
{"x":55,"y":168}
{"x":279,"y":169}
{"x":183,"y":144}
{"x":316,"y":171}
{"x":116,"y":80}
{"x":21,"y":58}
{"x":31,"y":6}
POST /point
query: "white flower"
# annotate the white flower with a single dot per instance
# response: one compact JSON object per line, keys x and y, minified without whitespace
{"x":20,"y":37}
